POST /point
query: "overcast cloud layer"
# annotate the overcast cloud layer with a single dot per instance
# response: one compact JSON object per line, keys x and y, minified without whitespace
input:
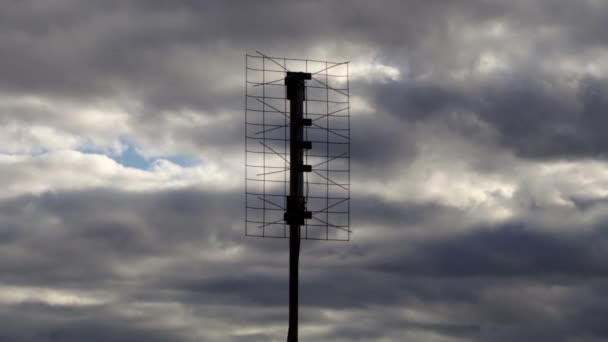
{"x":479,"y":172}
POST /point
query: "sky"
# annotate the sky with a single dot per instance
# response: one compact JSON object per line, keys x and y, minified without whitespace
{"x":479,"y":176}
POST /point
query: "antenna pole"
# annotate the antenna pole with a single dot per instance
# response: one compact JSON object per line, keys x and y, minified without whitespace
{"x":296,"y":203}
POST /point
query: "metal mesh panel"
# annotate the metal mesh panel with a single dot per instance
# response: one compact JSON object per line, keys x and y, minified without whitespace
{"x":327,"y":187}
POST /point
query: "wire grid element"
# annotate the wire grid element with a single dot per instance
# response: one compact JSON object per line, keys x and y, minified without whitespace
{"x":327,"y":187}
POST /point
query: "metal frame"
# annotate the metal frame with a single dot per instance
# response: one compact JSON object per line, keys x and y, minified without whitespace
{"x":267,"y":148}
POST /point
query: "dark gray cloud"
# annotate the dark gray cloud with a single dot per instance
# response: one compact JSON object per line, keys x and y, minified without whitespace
{"x":39,"y":322}
{"x":511,"y":251}
{"x":189,"y":55}
{"x":156,"y":248}
{"x":168,"y":54}
{"x":527,"y":109}
{"x":377,"y":147}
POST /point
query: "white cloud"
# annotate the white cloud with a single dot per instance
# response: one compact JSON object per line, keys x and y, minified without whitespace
{"x":31,"y":124}
{"x":68,"y":170}
{"x":50,"y":296}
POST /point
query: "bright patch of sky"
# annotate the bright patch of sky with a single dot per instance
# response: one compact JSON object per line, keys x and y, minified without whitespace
{"x":132,"y":158}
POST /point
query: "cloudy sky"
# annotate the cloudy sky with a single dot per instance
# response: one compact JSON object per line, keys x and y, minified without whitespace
{"x":479,"y":172}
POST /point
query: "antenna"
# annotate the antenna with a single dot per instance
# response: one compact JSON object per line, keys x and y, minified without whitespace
{"x":297,"y":155}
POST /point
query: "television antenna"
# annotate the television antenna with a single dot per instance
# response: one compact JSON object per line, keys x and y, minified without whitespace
{"x":297,"y":155}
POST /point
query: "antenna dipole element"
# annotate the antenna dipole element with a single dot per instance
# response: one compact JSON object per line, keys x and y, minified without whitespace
{"x":296,"y":212}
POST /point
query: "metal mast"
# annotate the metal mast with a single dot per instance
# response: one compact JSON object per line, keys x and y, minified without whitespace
{"x":297,"y":156}
{"x":296,"y":211}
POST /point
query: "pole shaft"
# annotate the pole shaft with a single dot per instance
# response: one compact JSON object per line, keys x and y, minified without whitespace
{"x":294,"y":256}
{"x":295,"y":93}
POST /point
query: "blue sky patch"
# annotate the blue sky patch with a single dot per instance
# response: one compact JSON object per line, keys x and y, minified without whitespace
{"x":130,"y":157}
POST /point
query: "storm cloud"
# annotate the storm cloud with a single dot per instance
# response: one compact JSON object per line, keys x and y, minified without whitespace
{"x":479,"y":183}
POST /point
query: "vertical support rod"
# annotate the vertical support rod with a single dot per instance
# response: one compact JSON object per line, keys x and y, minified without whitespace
{"x":296,"y":207}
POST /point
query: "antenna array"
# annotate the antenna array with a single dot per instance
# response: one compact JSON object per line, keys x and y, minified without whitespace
{"x":326,"y":145}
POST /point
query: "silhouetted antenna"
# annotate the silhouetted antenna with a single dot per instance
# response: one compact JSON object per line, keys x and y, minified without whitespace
{"x":297,"y":148}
